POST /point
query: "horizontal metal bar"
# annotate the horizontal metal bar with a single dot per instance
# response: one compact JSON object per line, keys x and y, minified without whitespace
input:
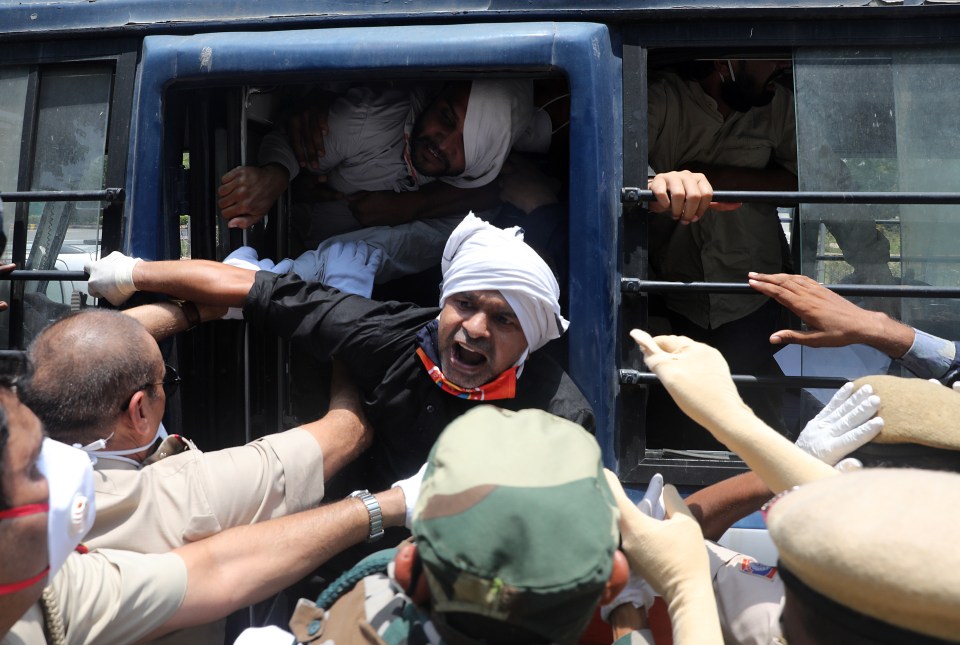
{"x":105,"y":195}
{"x":630,"y":195}
{"x":636,"y":377}
{"x":46,"y":274}
{"x":635,"y":285}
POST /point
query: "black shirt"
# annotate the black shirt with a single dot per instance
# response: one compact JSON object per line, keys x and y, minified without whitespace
{"x":377,"y":342}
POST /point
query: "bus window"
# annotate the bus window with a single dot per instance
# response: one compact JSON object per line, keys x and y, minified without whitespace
{"x":66,"y":111}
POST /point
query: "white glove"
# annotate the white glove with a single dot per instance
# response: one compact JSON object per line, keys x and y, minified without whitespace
{"x":112,"y":277}
{"x":350,"y":267}
{"x":637,"y":591}
{"x":411,"y":493}
{"x":845,"y":424}
{"x":956,"y":386}
{"x":652,"y":503}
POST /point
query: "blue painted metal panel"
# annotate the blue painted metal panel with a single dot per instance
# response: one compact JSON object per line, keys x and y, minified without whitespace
{"x":38,"y":16}
{"x":587,"y":53}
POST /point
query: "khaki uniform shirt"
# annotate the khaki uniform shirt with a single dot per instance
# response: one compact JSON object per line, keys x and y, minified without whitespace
{"x":109,"y":597}
{"x":749,"y":597}
{"x":192,"y":495}
{"x":685,"y":127}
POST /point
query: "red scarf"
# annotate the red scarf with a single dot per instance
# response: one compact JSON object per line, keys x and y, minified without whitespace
{"x":502,"y":387}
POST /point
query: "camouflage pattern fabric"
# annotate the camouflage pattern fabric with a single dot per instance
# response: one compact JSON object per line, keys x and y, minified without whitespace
{"x":515,"y":522}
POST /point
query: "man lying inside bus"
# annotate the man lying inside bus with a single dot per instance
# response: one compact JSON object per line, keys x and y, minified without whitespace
{"x":417,"y":368}
{"x":428,"y":160}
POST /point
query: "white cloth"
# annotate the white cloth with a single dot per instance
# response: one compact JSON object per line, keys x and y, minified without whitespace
{"x":482,"y":257}
{"x":498,"y":112}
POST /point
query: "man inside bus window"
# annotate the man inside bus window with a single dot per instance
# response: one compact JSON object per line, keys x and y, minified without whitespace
{"x":100,"y":384}
{"x":417,"y":368}
{"x":733,"y":121}
{"x":414,"y":162}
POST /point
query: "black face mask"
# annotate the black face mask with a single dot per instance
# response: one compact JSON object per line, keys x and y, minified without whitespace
{"x":746,"y":92}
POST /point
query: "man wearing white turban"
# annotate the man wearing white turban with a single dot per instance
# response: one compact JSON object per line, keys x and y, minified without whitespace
{"x":396,"y":140}
{"x":416,"y":368}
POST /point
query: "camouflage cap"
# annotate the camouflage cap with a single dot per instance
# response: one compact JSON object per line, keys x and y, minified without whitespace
{"x":515,"y":522}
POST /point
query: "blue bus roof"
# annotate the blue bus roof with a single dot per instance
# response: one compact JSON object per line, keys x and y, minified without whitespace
{"x":25,"y":20}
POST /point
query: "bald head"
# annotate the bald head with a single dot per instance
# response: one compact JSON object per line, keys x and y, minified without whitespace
{"x":86,"y":367}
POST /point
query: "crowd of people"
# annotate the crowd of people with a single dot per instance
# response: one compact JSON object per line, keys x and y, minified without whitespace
{"x":505,"y":525}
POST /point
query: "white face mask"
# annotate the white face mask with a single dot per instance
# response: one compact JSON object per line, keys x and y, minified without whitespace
{"x":69,"y":476}
{"x":96,"y":449}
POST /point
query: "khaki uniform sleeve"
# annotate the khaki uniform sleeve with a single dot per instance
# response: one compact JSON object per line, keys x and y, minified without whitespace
{"x":749,"y":597}
{"x":114,"y":597}
{"x":193,"y":495}
{"x":271,"y":477}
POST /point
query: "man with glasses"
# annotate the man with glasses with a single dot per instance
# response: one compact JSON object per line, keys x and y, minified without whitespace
{"x":100,"y":384}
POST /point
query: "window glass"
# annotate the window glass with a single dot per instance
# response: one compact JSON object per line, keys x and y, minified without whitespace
{"x":70,"y":155}
{"x":881,"y":120}
{"x":13,"y":93}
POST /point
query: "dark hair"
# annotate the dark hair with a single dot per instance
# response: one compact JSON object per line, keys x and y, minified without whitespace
{"x":86,"y":367}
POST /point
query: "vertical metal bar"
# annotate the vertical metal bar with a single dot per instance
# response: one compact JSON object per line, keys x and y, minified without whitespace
{"x":22,"y":211}
{"x":118,"y":140}
{"x":247,"y":430}
{"x":633,"y":246}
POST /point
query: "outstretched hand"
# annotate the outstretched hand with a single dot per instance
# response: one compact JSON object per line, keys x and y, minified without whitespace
{"x":696,"y":375}
{"x":686,"y":195}
{"x":832,"y":320}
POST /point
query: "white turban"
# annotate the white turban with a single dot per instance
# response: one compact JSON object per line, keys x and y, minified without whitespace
{"x":481,"y":257}
{"x":498,"y":112}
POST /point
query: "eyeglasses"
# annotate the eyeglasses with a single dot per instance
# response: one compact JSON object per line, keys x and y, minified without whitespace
{"x":171,"y":380}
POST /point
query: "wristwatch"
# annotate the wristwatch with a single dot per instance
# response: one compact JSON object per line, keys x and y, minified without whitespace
{"x":373,"y":509}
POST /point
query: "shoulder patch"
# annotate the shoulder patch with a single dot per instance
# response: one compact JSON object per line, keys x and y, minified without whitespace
{"x":754,"y":568}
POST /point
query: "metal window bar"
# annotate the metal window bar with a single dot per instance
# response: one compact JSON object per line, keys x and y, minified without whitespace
{"x":112,"y":195}
{"x":637,"y":286}
{"x":105,"y":195}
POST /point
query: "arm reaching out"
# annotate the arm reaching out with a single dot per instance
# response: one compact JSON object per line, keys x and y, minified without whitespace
{"x":117,"y":277}
{"x":670,"y":556}
{"x":833,"y":320}
{"x":698,"y":379}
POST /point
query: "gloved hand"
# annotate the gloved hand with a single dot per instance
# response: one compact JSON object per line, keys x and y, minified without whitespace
{"x":671,"y":556}
{"x":846,"y":423}
{"x":350,"y":266}
{"x":652,"y":503}
{"x":956,"y":386}
{"x":698,"y":379}
{"x":112,"y":277}
{"x":411,"y":493}
{"x":245,"y":257}
{"x":637,"y":591}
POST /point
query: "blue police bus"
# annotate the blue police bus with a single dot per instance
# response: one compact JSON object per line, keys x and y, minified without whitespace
{"x":118,"y":117}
